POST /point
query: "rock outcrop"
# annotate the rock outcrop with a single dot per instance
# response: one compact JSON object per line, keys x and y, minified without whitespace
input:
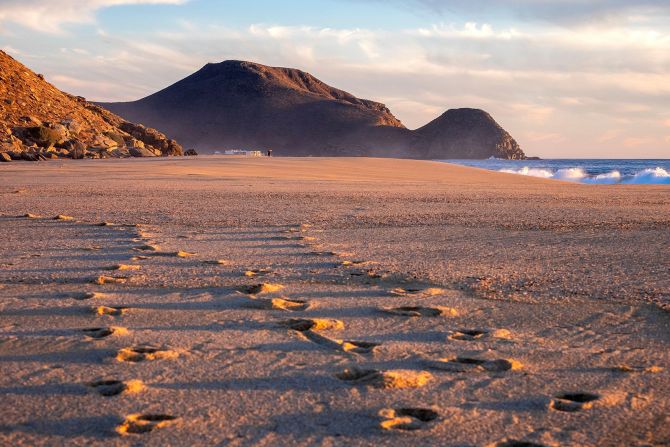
{"x":466,"y":133}
{"x":244,"y":105}
{"x":40,"y":122}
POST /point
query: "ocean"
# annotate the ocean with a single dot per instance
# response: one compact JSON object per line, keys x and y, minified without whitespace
{"x":634,"y":171}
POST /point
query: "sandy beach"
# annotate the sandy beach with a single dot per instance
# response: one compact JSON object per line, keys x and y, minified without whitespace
{"x":329,"y":301}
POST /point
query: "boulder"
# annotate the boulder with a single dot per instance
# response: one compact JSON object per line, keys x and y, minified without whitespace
{"x":140,"y":152}
{"x":173,"y":149}
{"x":76,"y":149}
{"x":45,"y":136}
{"x":152,"y":137}
{"x":119,"y":153}
{"x":132,"y":142}
{"x":72,"y":126}
{"x":190,"y":153}
{"x":5,"y":157}
{"x":116,"y":137}
{"x":103,"y":142}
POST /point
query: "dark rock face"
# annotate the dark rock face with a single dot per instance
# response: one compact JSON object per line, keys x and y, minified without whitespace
{"x":244,"y":105}
{"x":151,"y":137}
{"x":140,"y":152}
{"x":466,"y":133}
{"x":40,"y":122}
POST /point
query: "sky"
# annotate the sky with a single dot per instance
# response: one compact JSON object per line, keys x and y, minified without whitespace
{"x":567,"y":78}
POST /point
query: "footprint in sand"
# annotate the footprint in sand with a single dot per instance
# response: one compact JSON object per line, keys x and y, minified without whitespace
{"x":217,"y":262}
{"x":110,"y":388}
{"x":104,"y":279}
{"x":352,"y":263}
{"x":184,"y":254}
{"x":357,"y":347}
{"x":323,"y":253}
{"x":316,"y":324}
{"x":278,"y":304}
{"x":115,"y":311}
{"x":281,"y":238}
{"x":139,"y":258}
{"x":468,"y":334}
{"x":406,"y":418}
{"x":308,"y":327}
{"x":258,"y":289}
{"x":471,"y":364}
{"x":124,"y":267}
{"x":638,"y":369}
{"x":63,"y":217}
{"x":143,"y":353}
{"x":349,"y":346}
{"x":517,"y":443}
{"x":478,"y":334}
{"x":430,"y":291}
{"x":572,"y":402}
{"x":391,"y":379}
{"x":104,"y":332}
{"x":144,"y":423}
{"x":257,"y":272}
{"x":105,"y":224}
{"x":31,"y":216}
{"x":88,"y":296}
{"x":147,"y":247}
{"x":420,"y":311}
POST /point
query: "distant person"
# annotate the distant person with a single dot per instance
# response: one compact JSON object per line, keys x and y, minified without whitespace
{"x":269,"y":152}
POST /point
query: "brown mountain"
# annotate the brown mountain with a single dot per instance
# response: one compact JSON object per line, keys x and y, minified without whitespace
{"x":244,"y":105}
{"x":38,"y":121}
{"x":466,"y":133}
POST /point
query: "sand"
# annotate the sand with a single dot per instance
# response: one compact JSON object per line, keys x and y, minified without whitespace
{"x":235,"y":301}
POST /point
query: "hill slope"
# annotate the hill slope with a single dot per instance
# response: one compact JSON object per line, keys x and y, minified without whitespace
{"x":466,"y":133}
{"x":39,"y":121}
{"x":237,"y":104}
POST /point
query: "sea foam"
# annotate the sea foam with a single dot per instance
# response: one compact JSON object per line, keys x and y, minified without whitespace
{"x":652,"y":176}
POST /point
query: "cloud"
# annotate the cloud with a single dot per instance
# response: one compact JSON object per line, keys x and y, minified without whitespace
{"x":11,"y":50}
{"x":562,"y":12}
{"x":50,"y":15}
{"x":594,"y":89}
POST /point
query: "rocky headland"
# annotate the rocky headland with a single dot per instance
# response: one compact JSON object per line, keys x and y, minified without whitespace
{"x":40,"y":122}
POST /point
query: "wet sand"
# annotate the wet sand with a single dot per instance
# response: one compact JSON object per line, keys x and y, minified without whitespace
{"x":405,"y":303}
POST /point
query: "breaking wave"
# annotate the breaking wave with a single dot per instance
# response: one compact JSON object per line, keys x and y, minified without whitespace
{"x":651,"y":176}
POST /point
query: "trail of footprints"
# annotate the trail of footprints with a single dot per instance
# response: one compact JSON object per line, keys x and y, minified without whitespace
{"x":134,"y":423}
{"x":264,"y":296}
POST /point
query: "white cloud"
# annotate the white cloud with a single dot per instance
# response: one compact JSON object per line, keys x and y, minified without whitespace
{"x":555,"y":90}
{"x":50,"y":15}
{"x":10,"y":50}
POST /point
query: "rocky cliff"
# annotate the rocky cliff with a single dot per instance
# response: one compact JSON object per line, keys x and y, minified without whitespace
{"x":38,"y":121}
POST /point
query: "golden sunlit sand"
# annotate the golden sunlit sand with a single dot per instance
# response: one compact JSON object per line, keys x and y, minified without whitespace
{"x":441,"y":305}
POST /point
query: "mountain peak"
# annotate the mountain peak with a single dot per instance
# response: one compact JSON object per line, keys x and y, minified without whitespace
{"x":471,"y":133}
{"x":247,"y":105}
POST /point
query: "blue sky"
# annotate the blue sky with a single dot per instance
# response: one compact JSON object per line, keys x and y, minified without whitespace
{"x":568,"y":78}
